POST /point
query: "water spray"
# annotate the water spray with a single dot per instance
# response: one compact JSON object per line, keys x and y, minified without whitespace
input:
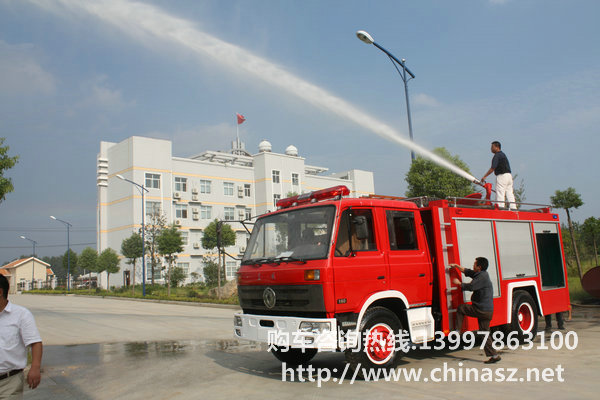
{"x":150,"y":24}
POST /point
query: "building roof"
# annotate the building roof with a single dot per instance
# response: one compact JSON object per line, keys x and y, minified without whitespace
{"x":5,"y":269}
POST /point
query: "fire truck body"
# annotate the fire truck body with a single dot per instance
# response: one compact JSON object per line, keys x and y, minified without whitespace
{"x":323,"y":266}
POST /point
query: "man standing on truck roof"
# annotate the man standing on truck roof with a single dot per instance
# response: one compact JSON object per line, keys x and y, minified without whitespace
{"x":482,"y":306}
{"x":504,"y":181}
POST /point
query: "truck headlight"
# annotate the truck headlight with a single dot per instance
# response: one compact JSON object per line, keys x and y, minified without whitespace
{"x":315,"y":327}
{"x":237,"y":320}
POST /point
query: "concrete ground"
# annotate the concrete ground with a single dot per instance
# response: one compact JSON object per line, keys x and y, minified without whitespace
{"x":98,"y":348}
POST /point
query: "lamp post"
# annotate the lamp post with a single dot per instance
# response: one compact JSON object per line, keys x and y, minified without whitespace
{"x":142,"y":190}
{"x":68,"y":225}
{"x":33,"y":242}
{"x":368,"y":39}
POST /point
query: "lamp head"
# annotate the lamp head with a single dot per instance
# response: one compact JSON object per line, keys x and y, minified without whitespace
{"x":53,"y":217}
{"x":23,"y":237}
{"x":121,"y":177}
{"x":365,"y":37}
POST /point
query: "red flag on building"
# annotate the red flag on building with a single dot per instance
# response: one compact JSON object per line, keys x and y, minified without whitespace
{"x":240,"y":118}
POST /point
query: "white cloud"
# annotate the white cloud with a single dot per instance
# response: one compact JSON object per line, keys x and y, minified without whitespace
{"x":423,"y":99}
{"x":191,"y":141}
{"x":97,"y":94}
{"x":20,"y":72}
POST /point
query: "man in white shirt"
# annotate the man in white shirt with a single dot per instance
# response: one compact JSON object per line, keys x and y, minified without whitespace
{"x":17,"y":331}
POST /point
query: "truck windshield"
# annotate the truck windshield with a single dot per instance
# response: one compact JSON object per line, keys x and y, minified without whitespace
{"x":296,"y":235}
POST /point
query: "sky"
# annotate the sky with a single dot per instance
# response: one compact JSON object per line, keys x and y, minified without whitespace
{"x":75,"y":72}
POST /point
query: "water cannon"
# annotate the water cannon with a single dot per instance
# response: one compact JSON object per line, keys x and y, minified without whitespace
{"x":487,"y":186}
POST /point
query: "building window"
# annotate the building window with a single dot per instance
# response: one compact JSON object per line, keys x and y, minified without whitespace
{"x":180,"y":210}
{"x":275,"y":176}
{"x":228,"y":188}
{"x":247,"y":190}
{"x":204,"y":186}
{"x":276,"y":198}
{"x":180,"y":184}
{"x":295,"y":179}
{"x":152,"y":181}
{"x":229,"y":214}
{"x":248,"y":213}
{"x":206,"y":212}
{"x":185,"y":266}
{"x":152,"y":208}
{"x":184,"y":237}
{"x":231,"y":269}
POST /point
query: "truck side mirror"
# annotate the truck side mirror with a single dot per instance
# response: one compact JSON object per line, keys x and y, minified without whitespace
{"x":360,"y":227}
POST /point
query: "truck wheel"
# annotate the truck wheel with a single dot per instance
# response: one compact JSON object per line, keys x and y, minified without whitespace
{"x":524,"y":315}
{"x":294,"y":356}
{"x":378,"y":348}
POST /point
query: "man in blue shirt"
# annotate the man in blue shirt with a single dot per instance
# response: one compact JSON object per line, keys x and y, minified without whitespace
{"x":504,"y":181}
{"x":482,"y":302}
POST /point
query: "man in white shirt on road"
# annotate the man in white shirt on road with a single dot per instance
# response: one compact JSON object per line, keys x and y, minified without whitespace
{"x":17,"y":332}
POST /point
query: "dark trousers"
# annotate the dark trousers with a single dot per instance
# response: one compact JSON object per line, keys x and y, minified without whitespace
{"x":559,"y":321}
{"x":483,"y":317}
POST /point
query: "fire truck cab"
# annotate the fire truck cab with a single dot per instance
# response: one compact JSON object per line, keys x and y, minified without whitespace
{"x":327,"y":272}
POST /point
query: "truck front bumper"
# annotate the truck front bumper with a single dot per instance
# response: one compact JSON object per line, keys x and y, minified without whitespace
{"x":294,"y":332}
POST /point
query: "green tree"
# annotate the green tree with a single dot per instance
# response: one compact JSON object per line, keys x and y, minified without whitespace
{"x":132,"y":248}
{"x":156,"y":224}
{"x":88,"y":261}
{"x":568,"y":199}
{"x":591,"y":232}
{"x":218,"y":235}
{"x":169,"y":244}
{"x":211,"y":272}
{"x":209,"y":238}
{"x":177,"y":276}
{"x":519,"y":189}
{"x":426,"y":178}
{"x":6,"y":163}
{"x":69,"y":263}
{"x":108,"y":261}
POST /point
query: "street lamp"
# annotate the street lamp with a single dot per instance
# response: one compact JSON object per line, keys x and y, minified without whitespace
{"x":33,"y":242}
{"x":368,"y":39}
{"x":68,"y":225}
{"x":142,"y":190}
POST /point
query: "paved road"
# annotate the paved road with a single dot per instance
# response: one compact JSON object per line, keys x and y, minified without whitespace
{"x":133,"y":350}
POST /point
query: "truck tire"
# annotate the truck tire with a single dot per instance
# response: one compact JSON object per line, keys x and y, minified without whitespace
{"x":378,"y":347}
{"x":294,"y":356}
{"x":524,"y":315}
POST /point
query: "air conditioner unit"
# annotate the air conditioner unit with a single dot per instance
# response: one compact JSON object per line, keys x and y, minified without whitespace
{"x":195,"y":216}
{"x":240,"y":192}
{"x":176,"y":195}
{"x":242,"y":249}
{"x":194,"y":197}
{"x":195,"y":210}
{"x":196,"y":245}
{"x":194,"y":191}
{"x":241,"y":214}
{"x":178,"y":222}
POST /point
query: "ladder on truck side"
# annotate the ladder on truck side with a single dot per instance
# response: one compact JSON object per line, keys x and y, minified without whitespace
{"x":449,"y":249}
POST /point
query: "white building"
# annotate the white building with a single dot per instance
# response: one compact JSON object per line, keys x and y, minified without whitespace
{"x":192,"y":192}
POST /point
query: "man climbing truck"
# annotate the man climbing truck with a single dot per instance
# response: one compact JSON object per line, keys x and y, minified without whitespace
{"x":327,"y":272}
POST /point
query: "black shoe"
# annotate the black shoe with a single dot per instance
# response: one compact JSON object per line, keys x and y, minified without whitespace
{"x":562,"y":328}
{"x":492,"y":360}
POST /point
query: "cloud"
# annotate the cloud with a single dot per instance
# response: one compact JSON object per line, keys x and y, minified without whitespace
{"x":21,"y":74}
{"x":194,"y":140}
{"x":96,"y":94}
{"x":423,"y":99}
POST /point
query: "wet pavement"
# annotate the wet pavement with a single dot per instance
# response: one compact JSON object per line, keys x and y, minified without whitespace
{"x":202,"y":361}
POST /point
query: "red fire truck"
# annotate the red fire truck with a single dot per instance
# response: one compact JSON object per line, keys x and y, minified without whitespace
{"x":323,"y":266}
